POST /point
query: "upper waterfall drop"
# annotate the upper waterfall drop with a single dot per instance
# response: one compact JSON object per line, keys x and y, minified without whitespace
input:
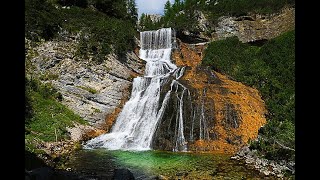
{"x":137,"y":122}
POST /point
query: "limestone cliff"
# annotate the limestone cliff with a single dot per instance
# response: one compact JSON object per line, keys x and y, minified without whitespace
{"x":255,"y":27}
{"x":252,"y":27}
{"x":94,"y":91}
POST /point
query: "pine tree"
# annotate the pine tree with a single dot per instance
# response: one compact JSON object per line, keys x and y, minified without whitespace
{"x":177,"y":6}
{"x":142,"y":22}
{"x":132,"y":10}
{"x":167,"y":7}
{"x":113,"y":8}
{"x":168,"y":14}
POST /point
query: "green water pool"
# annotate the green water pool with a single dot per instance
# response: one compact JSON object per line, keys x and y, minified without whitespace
{"x":170,"y":165}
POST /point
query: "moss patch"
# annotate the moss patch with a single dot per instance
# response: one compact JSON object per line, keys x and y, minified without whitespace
{"x":89,"y":89}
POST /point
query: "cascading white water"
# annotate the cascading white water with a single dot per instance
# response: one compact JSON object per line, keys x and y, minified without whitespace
{"x":180,"y":144}
{"x":136,"y":124}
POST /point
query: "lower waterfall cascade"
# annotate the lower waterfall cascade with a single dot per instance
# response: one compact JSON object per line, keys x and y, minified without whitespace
{"x":137,"y":123}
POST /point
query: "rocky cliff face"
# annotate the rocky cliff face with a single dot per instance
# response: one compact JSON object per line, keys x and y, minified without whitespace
{"x":249,"y":28}
{"x":221,"y":115}
{"x":94,"y":91}
{"x":255,"y":27}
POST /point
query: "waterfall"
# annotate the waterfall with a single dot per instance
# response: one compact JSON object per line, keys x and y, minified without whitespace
{"x":135,"y":126}
{"x":204,"y":134}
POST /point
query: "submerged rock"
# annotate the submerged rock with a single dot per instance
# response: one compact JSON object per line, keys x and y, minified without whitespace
{"x":123,"y":174}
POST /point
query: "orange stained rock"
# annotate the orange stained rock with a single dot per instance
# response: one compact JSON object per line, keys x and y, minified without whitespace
{"x":136,"y":51}
{"x":246,"y":101}
{"x":94,"y":133}
{"x":111,"y":118}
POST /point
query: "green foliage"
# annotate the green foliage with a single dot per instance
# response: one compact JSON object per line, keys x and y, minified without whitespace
{"x":45,"y":90}
{"x":110,"y":27}
{"x":269,"y":68}
{"x":278,"y":143}
{"x":132,"y":11}
{"x":75,"y":18}
{"x":91,"y":90}
{"x":216,"y":9}
{"x":146,"y":23}
{"x":182,"y":14}
{"x":112,"y":8}
{"x":28,"y":108}
{"x":100,"y":34}
{"x":79,"y":3}
{"x":105,"y":36}
{"x":243,"y":7}
{"x":49,"y":76}
{"x":179,"y":15}
{"x":96,"y":110}
{"x":46,"y":116}
{"x":41,"y":20}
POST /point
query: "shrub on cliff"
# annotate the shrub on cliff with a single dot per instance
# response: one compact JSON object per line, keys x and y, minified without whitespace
{"x":42,"y":20}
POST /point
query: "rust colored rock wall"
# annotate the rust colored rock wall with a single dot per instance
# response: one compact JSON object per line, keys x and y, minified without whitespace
{"x":238,"y":110}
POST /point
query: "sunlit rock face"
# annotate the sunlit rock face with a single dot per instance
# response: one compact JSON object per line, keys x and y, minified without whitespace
{"x":94,"y":91}
{"x":255,"y":27}
{"x":219,"y":115}
{"x":250,"y":28}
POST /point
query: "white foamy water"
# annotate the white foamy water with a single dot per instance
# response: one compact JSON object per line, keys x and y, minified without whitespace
{"x":137,"y":122}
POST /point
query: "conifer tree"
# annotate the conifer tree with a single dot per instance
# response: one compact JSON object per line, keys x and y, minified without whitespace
{"x":132,"y":10}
